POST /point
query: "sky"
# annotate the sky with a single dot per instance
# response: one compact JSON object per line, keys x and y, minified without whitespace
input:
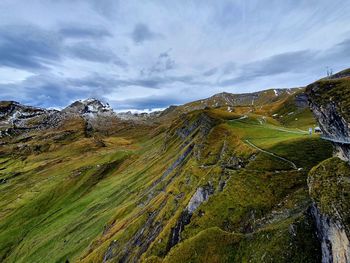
{"x":151,"y":54}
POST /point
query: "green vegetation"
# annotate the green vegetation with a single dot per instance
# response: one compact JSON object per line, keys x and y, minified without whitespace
{"x":210,"y":245}
{"x":263,"y":133}
{"x":330,"y":187}
{"x":68,"y":195}
{"x":294,"y":111}
{"x":335,"y":90}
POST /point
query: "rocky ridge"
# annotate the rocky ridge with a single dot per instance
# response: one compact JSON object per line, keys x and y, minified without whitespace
{"x":329,"y":182}
{"x":16,"y":118}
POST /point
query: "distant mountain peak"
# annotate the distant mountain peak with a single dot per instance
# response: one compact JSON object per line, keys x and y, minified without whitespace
{"x":90,"y":105}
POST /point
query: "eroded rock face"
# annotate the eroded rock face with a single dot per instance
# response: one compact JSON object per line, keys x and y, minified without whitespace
{"x":301,"y":100}
{"x":329,"y":187}
{"x":201,"y":195}
{"x":334,"y":240}
{"x":16,"y":118}
{"x":329,"y":182}
{"x":328,"y":100}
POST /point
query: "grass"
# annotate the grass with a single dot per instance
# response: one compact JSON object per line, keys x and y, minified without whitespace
{"x":210,"y":245}
{"x":330,"y":188}
{"x":264,"y":134}
{"x":56,"y":204}
{"x":77,"y":197}
{"x":335,"y":90}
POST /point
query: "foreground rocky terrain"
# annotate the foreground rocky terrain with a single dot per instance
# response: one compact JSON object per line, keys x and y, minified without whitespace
{"x":329,"y":182}
{"x":231,"y":178}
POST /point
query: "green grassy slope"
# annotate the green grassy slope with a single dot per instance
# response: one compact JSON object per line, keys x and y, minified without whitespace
{"x":119,"y":198}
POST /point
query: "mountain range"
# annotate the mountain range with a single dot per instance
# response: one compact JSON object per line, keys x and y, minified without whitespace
{"x":230,"y":178}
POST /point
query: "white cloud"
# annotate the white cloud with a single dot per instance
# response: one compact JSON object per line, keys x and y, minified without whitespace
{"x":12,"y":76}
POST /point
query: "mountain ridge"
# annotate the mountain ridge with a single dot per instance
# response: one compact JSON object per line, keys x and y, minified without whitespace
{"x":207,"y":184}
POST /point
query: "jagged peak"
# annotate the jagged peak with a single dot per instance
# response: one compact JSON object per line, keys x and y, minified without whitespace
{"x":90,"y":105}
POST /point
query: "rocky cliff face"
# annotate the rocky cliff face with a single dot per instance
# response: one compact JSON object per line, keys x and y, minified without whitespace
{"x":329,"y":186}
{"x":329,"y":182}
{"x":334,"y":241}
{"x":330,"y":100}
{"x":201,"y":195}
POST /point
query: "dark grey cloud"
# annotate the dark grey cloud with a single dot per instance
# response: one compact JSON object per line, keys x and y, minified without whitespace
{"x":28,"y":47}
{"x":33,"y":48}
{"x":282,"y":63}
{"x":84,"y":32}
{"x":156,"y":82}
{"x":53,"y":91}
{"x":74,"y":49}
{"x":88,"y":52}
{"x":339,"y":53}
{"x":42,"y":91}
{"x":313,"y":61}
{"x":210,"y":72}
{"x":163,"y":64}
{"x":141,"y":33}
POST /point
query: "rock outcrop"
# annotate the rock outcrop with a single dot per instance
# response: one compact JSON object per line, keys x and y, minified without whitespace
{"x":16,"y":118}
{"x":89,"y":108}
{"x":334,"y":241}
{"x":329,"y":100}
{"x":200,"y":196}
{"x":329,"y":182}
{"x":329,"y":186}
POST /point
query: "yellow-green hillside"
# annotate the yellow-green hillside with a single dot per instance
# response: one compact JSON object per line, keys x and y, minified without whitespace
{"x":206,"y":186}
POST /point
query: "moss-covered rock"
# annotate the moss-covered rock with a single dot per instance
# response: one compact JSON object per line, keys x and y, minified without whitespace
{"x":329,"y":185}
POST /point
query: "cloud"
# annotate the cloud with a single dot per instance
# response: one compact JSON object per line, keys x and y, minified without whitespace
{"x":147,"y":102}
{"x":282,"y":63}
{"x":105,"y":8}
{"x":142,"y":33}
{"x":339,"y":52}
{"x":28,"y":47}
{"x":84,"y":32}
{"x":33,"y":48}
{"x":49,"y":57}
{"x":88,"y":52}
{"x":40,"y":90}
{"x":163,"y":64}
{"x":227,"y":14}
{"x":210,"y":72}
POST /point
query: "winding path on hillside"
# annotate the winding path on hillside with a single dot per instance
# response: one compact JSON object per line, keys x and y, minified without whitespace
{"x":289,"y":131}
{"x":272,"y":154}
{"x":297,"y":131}
{"x":240,"y":118}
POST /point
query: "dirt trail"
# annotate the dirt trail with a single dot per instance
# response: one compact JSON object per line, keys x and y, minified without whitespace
{"x":272,"y":154}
